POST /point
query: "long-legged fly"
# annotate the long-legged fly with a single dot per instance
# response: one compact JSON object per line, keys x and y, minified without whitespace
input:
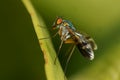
{"x":69,"y":34}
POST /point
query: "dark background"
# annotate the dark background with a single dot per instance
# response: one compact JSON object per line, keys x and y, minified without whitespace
{"x":20,"y":57}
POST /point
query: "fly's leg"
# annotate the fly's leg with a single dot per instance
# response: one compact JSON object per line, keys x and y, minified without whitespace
{"x":63,"y":37}
{"x":58,"y":51}
{"x":92,"y":42}
{"x":68,"y":59}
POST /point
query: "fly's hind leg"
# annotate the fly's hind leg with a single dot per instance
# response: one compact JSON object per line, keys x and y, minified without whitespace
{"x":72,"y":48}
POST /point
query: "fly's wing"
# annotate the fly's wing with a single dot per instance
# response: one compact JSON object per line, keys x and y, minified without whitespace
{"x":90,"y":40}
{"x":86,"y":45}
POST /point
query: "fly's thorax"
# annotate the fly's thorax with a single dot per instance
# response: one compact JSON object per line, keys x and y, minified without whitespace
{"x":69,"y":24}
{"x":64,"y":33}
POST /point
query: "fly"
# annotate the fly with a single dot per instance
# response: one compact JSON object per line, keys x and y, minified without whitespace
{"x":68,"y":34}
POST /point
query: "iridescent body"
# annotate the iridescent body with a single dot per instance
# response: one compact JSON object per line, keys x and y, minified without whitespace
{"x":68,"y":34}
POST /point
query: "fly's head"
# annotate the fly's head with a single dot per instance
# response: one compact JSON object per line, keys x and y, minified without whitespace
{"x":57,"y":23}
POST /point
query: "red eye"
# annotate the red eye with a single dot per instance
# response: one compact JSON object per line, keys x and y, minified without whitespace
{"x":59,"y":21}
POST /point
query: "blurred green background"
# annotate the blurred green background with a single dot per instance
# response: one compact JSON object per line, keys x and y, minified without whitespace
{"x":21,"y":57}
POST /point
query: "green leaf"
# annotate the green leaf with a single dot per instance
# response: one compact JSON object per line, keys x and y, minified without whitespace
{"x":53,"y":71}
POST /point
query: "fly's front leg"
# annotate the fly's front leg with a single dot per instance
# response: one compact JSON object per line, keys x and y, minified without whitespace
{"x":58,"y":51}
{"x":63,"y":38}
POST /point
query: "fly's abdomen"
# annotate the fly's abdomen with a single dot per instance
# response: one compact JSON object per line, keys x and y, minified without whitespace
{"x":86,"y":51}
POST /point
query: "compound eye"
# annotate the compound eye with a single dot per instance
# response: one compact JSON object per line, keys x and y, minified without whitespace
{"x":59,"y":20}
